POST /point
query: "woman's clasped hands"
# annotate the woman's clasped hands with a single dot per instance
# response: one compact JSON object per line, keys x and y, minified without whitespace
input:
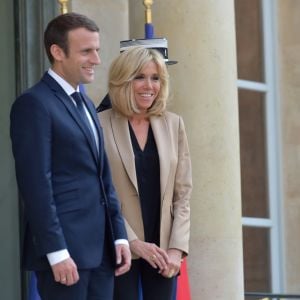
{"x":168,"y":262}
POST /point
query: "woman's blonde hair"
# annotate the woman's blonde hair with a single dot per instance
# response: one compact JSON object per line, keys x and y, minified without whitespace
{"x":122,"y":72}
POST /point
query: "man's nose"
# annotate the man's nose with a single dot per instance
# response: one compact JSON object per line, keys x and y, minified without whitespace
{"x":96,"y":58}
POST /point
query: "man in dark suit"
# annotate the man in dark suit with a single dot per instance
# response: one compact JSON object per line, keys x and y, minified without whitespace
{"x":75,"y":239}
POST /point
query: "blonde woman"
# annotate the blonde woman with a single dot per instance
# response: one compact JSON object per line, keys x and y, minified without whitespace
{"x":150,"y":163}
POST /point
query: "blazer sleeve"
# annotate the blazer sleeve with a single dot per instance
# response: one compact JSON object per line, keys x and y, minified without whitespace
{"x":31,"y":143}
{"x":180,"y":232}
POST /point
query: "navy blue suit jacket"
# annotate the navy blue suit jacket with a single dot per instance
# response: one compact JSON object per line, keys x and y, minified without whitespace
{"x":65,"y":184}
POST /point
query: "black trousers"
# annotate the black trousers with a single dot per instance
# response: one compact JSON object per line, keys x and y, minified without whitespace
{"x":153,"y":285}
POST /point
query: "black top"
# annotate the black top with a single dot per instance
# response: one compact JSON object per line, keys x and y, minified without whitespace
{"x":148,"y":179}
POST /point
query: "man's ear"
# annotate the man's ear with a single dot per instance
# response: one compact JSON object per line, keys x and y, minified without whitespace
{"x":57,"y":52}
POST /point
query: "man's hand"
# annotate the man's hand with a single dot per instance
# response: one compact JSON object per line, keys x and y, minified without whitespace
{"x":123,"y":256}
{"x":65,"y":272}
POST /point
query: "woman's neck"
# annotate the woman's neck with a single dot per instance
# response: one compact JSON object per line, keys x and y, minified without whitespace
{"x":139,"y":119}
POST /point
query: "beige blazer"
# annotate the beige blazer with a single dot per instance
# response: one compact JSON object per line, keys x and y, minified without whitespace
{"x":175,"y":176}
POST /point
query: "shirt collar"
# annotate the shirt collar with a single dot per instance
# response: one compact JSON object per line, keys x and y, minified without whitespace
{"x":63,"y":83}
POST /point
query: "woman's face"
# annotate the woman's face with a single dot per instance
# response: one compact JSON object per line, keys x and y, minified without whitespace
{"x":146,"y":86}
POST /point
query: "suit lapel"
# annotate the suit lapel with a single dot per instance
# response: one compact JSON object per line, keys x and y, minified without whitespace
{"x":162,"y":138}
{"x":62,"y":96}
{"x":121,"y":135}
{"x":95,"y":119}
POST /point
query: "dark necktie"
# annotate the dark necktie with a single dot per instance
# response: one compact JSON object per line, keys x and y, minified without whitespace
{"x":79,"y":102}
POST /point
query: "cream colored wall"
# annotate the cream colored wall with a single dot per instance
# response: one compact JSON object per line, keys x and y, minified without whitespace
{"x":112,"y":18}
{"x":289,"y":87}
{"x":201,"y":37}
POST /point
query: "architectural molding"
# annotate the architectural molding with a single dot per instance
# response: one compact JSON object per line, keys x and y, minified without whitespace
{"x":31,"y":18}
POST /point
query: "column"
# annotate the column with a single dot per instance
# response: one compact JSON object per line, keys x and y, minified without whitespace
{"x":288,"y":16}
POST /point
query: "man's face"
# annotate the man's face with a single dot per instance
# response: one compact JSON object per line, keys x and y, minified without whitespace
{"x":79,"y":65}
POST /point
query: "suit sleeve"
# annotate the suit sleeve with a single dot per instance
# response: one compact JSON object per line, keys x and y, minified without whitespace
{"x":31,"y":144}
{"x":182,"y":193}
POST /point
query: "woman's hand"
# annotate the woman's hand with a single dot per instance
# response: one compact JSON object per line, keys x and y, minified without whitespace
{"x":175,"y":258}
{"x":155,"y":256}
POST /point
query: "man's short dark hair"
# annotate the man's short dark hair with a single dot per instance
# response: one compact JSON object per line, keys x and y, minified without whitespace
{"x":57,"y":31}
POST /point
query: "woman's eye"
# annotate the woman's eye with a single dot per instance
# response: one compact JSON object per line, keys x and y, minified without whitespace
{"x":143,"y":77}
{"x":139,"y":77}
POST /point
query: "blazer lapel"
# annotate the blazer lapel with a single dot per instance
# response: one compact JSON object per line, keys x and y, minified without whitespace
{"x":121,"y":135}
{"x":162,"y":138}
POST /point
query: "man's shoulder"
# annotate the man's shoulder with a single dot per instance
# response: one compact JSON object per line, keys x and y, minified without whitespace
{"x":38,"y":88}
{"x":35,"y":96}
